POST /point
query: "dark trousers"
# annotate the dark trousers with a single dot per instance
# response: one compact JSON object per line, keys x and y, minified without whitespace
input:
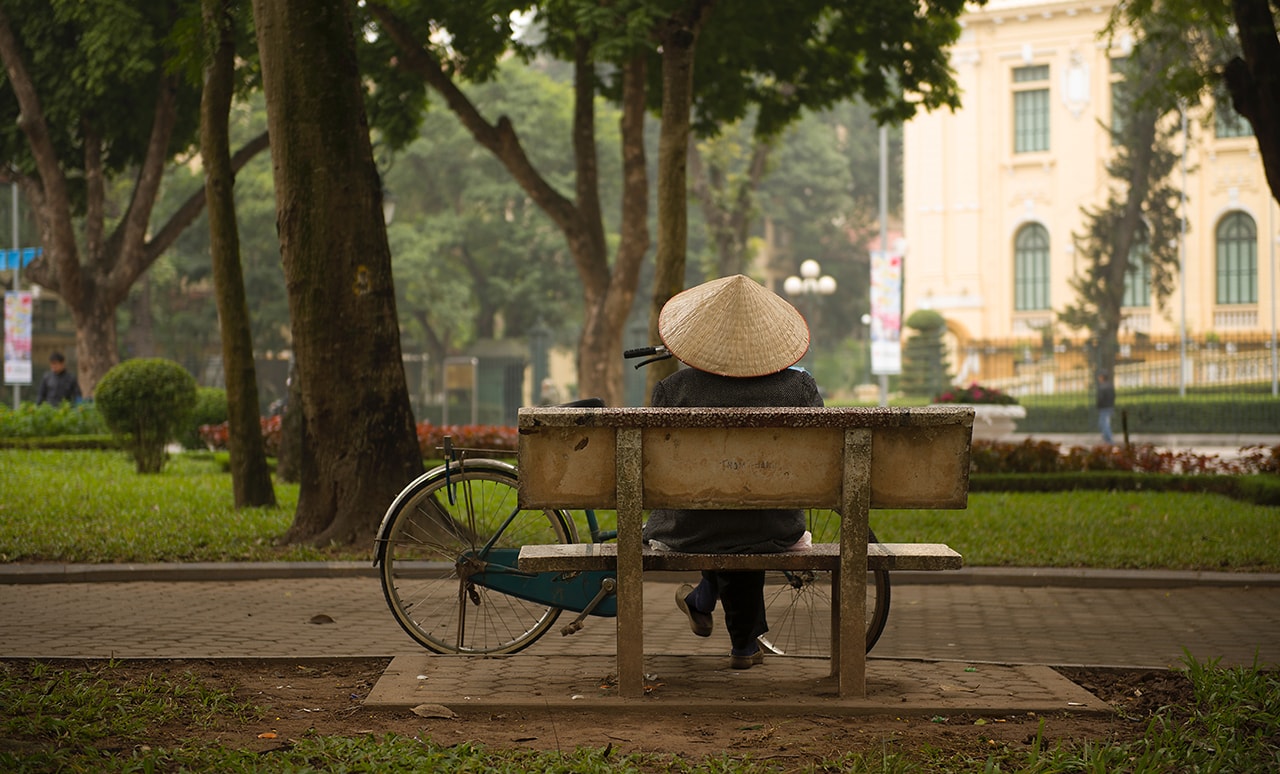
{"x":742,"y":595}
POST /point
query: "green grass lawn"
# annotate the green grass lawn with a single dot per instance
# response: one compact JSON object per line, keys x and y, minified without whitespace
{"x":63,"y":506}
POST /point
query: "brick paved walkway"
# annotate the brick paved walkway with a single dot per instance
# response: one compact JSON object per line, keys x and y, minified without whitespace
{"x":1007,"y":620}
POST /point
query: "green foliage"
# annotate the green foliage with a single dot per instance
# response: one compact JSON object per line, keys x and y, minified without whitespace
{"x":32,"y":421}
{"x":63,"y":442}
{"x":62,"y":717}
{"x":1098,"y":529}
{"x":210,"y":409}
{"x":83,"y":707}
{"x":90,"y":509}
{"x":925,"y":320}
{"x":186,"y":514}
{"x":146,"y":402}
{"x":924,"y":356}
{"x":1135,"y":232}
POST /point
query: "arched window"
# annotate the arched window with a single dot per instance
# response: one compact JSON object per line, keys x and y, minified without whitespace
{"x":1031,"y":268}
{"x":1237,"y":241}
{"x":1137,"y":279}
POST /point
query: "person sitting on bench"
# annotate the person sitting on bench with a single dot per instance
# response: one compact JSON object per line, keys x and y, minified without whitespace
{"x":740,"y":342}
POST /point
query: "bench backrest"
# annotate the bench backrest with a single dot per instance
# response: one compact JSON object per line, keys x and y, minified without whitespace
{"x":745,"y":457}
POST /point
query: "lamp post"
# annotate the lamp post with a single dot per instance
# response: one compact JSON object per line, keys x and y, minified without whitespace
{"x":811,"y":282}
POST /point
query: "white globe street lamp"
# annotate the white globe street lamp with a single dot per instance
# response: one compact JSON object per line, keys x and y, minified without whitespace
{"x":811,"y":282}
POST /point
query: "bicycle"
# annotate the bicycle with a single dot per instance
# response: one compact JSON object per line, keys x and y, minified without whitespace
{"x":449,"y":543}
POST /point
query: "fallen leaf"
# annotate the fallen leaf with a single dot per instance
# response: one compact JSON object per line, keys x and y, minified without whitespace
{"x":320,"y":619}
{"x":267,"y":735}
{"x":433,"y":711}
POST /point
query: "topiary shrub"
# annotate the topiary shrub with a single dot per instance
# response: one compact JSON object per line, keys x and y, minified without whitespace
{"x":924,"y":356}
{"x":211,"y":409}
{"x":146,"y":403}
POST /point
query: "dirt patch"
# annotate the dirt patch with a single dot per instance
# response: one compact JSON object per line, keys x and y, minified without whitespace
{"x":309,"y":698}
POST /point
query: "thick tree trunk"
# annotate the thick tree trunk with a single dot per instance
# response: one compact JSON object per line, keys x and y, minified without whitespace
{"x":1254,"y":81}
{"x":95,"y":343}
{"x":359,"y":444}
{"x":250,"y":476}
{"x":679,"y":40}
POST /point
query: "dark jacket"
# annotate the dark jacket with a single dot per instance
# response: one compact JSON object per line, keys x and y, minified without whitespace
{"x":1106,"y":395}
{"x":56,"y":388}
{"x":731,"y":531}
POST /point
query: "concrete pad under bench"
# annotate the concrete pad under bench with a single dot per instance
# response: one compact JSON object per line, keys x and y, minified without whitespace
{"x":704,"y":683}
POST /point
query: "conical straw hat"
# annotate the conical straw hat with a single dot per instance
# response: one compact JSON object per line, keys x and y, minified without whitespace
{"x":733,"y":327}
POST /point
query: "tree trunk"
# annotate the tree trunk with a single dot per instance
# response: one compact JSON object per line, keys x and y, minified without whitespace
{"x":289,"y":456}
{"x":250,"y":476}
{"x":360,"y":447}
{"x":1254,"y":82}
{"x":679,"y":39}
{"x":95,"y":343}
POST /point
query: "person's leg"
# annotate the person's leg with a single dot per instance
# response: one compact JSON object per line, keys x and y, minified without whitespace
{"x":1104,"y":424}
{"x":698,"y":604}
{"x":742,"y":596}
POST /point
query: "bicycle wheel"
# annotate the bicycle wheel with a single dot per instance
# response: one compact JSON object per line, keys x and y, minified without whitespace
{"x":445,"y":540}
{"x":798,"y":603}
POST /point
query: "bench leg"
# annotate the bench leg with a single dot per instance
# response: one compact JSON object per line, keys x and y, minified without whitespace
{"x":630,"y":567}
{"x":835,"y":625}
{"x":851,"y":580}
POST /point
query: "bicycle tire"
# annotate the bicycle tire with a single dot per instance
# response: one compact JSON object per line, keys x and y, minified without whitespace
{"x":798,"y":604}
{"x":434,"y":539}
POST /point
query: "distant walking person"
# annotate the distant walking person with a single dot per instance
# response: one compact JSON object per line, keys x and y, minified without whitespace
{"x":58,"y":384}
{"x":1106,"y":405}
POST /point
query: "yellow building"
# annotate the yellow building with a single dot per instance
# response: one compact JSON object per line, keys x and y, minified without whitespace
{"x":994,"y":191}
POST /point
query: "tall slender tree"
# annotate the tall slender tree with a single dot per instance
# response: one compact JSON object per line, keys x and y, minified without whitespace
{"x":1133,"y":235}
{"x":250,"y":477}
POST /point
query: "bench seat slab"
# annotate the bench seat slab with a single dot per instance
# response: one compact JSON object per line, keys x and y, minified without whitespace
{"x":822,"y":556}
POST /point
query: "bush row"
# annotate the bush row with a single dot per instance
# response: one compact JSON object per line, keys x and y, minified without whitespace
{"x":1032,"y":456}
{"x":31,"y":421}
{"x":1262,"y":488}
{"x":1159,"y":414}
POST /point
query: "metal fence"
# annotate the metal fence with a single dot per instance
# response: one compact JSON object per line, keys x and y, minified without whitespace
{"x":1207,"y":363}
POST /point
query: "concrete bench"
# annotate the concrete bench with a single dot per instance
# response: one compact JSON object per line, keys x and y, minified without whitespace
{"x":849,"y":459}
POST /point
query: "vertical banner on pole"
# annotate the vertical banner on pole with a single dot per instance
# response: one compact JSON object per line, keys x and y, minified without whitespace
{"x":886,"y":312}
{"x":17,"y":337}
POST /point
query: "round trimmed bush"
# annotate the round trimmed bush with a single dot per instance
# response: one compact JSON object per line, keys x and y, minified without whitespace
{"x":211,"y":409}
{"x":146,"y":402}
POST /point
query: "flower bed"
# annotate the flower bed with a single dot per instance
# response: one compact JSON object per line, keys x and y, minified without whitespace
{"x":494,"y":438}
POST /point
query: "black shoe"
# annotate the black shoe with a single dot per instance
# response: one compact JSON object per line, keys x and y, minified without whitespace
{"x":699,"y":621}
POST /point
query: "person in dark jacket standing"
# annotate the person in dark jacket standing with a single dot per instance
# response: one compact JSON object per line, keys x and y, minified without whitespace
{"x":739,"y":341}
{"x":1106,"y":405}
{"x":58,"y":384}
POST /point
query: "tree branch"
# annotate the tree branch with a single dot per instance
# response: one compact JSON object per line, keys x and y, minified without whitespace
{"x":190,"y":209}
{"x":55,"y":216}
{"x":500,"y":139}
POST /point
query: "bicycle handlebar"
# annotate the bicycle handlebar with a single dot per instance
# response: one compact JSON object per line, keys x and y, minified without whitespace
{"x":655,"y":353}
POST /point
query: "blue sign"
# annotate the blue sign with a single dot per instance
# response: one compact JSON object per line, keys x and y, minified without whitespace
{"x":9,"y":258}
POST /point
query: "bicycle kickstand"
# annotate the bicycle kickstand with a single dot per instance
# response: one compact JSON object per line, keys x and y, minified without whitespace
{"x":607,"y":587}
